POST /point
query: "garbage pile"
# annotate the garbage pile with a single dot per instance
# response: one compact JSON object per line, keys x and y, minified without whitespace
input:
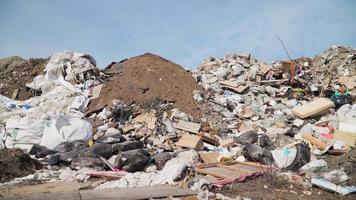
{"x":146,"y":121}
{"x":15,"y":72}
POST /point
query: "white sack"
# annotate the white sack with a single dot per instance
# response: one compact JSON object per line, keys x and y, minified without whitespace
{"x":65,"y":129}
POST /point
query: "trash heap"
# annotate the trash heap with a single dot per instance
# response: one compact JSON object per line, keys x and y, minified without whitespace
{"x":15,"y":72}
{"x":144,"y":121}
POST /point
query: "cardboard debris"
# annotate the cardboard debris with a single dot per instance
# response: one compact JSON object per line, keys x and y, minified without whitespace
{"x":209,"y":157}
{"x":312,"y":108}
{"x":191,"y":141}
{"x":95,"y":91}
{"x":187,"y":126}
{"x":128,"y":128}
{"x":289,"y":67}
{"x":149,"y":118}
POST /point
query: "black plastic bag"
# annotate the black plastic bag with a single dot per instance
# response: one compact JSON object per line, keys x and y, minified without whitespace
{"x":111,"y":139}
{"x":70,"y":150}
{"x":87,"y":162}
{"x":255,"y":153}
{"x":248,"y":137}
{"x":126,"y":146}
{"x":160,"y":159}
{"x":132,"y":161}
{"x":40,"y":151}
{"x":302,"y":157}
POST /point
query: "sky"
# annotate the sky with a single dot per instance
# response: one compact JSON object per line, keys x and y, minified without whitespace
{"x":183,"y":31}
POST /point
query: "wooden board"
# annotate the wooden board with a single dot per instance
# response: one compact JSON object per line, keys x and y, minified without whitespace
{"x":312,"y":108}
{"x":187,"y":126}
{"x":191,"y":141}
{"x":229,"y":83}
{"x":14,"y":94}
{"x":130,"y":193}
{"x":49,"y":196}
{"x":134,"y":193}
{"x":230,"y":169}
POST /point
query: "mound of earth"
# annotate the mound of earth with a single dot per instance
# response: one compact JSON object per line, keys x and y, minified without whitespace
{"x":144,"y":79}
{"x":15,"y":72}
{"x":15,"y":163}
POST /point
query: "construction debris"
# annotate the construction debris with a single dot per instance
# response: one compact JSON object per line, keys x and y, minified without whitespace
{"x":145,"y":122}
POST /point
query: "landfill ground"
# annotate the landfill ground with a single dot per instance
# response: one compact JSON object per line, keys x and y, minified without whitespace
{"x":146,"y":128}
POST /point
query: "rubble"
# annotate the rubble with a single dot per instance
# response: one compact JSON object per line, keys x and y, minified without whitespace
{"x":146,"y":121}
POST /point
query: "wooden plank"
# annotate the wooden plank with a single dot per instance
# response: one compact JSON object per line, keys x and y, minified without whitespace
{"x":133,"y":193}
{"x":220,"y":172}
{"x":273,"y":81}
{"x":240,"y":170}
{"x":14,"y":94}
{"x":187,"y":126}
{"x":229,"y":84}
{"x":238,"y":89}
{"x":191,"y":141}
{"x":230,"y":169}
{"x":312,"y":108}
{"x":315,"y":141}
{"x":49,"y":196}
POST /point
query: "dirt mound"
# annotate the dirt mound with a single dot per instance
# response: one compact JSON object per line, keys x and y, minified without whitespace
{"x":15,"y":72}
{"x":145,"y":78}
{"x":15,"y":163}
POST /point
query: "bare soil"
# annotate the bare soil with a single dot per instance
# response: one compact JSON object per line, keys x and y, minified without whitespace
{"x":266,"y":188}
{"x":144,"y":79}
{"x":15,"y":163}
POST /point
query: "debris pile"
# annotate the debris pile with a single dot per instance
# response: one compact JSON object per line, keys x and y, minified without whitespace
{"x":146,"y":121}
{"x":15,"y":72}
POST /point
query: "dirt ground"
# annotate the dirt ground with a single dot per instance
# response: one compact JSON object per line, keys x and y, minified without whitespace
{"x":15,"y":163}
{"x":15,"y":72}
{"x":345,"y":161}
{"x":143,"y":79}
{"x":267,"y":189}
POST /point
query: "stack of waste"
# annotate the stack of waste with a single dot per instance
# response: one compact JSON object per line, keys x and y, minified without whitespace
{"x":146,"y":121}
{"x":15,"y":72}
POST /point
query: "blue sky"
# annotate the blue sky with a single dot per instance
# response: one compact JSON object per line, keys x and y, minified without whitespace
{"x":184,"y":31}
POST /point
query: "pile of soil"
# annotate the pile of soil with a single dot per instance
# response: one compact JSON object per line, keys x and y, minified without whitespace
{"x":144,"y":79}
{"x":15,"y":163}
{"x":15,"y":72}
